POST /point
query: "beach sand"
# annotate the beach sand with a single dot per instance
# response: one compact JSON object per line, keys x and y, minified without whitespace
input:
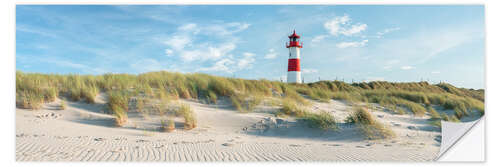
{"x":83,"y":132}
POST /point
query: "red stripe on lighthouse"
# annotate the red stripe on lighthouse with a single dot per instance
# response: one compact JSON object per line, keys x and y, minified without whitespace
{"x":293,"y":64}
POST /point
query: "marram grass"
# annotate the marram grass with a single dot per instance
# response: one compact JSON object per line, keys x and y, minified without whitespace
{"x":35,"y":89}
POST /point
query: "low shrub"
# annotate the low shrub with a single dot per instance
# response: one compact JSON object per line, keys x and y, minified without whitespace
{"x":322,"y":120}
{"x":370,"y":128}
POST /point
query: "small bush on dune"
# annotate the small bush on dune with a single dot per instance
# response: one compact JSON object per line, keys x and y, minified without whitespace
{"x":63,"y":105}
{"x":183,"y":92}
{"x":118,"y":100}
{"x":290,"y":93}
{"x":189,"y":117}
{"x":236,"y":102}
{"x":118,"y":104}
{"x":368,"y":125}
{"x":121,"y":116}
{"x":290,"y":107}
{"x":30,"y":100}
{"x":167,"y":125}
{"x":75,"y":94}
{"x":50,"y":94}
{"x":322,"y":120}
{"x":245,"y":103}
{"x":89,"y":93}
{"x":212,"y":97}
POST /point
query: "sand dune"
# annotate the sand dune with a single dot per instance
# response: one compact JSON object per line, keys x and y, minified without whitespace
{"x":83,"y":132}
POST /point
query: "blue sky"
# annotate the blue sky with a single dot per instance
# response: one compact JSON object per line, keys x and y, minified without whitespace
{"x":350,"y":42}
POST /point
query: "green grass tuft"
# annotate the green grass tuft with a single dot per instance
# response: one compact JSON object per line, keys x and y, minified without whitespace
{"x":369,"y":126}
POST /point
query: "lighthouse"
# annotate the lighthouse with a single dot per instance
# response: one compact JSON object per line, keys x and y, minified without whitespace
{"x":294,"y":59}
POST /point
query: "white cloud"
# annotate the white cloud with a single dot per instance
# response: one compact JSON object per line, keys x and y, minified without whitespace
{"x":204,"y":52}
{"x":334,"y":25}
{"x":342,"y":25}
{"x":308,"y":71}
{"x":221,"y":66}
{"x":225,"y":29}
{"x":168,"y":52}
{"x":246,"y":61}
{"x":407,"y":67}
{"x":318,"y":38}
{"x":178,"y":42}
{"x":190,"y":27}
{"x":354,"y":29}
{"x":218,"y":51}
{"x":352,"y":44}
{"x":271,"y":54}
{"x":216,"y":55}
{"x":387,"y":30}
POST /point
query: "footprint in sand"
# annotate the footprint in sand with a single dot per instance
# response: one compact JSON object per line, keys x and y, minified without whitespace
{"x":141,"y":141}
{"x":294,"y":145}
{"x":228,"y":144}
{"x":387,"y":145}
{"x":360,"y":146}
{"x":336,"y":145}
{"x":99,"y":139}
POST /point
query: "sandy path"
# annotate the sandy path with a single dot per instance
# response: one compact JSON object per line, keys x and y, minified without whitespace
{"x":82,"y":133}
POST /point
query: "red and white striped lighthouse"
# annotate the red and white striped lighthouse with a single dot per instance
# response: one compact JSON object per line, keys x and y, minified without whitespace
{"x":294,"y":59}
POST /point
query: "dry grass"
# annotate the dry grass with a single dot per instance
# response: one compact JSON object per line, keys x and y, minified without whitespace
{"x":118,"y":105}
{"x":371,"y":128}
{"x":290,"y":107}
{"x":189,"y":117}
{"x":167,"y":125}
{"x":34,"y":89}
{"x":63,"y":105}
{"x":212,"y":97}
{"x":323,"y":121}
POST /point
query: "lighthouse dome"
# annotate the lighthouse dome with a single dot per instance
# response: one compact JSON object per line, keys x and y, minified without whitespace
{"x":294,"y":35}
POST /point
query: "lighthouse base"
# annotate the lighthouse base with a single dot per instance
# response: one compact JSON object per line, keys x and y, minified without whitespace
{"x":293,"y":77}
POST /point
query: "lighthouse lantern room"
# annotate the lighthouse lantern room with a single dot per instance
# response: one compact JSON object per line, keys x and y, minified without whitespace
{"x":294,"y":59}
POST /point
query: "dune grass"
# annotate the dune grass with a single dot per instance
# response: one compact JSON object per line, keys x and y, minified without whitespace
{"x":167,"y":125}
{"x":34,"y":89}
{"x":322,"y":120}
{"x":63,"y":105}
{"x":291,"y":108}
{"x":436,"y":121}
{"x":370,"y":128}
{"x":189,"y":116}
{"x":118,"y":104}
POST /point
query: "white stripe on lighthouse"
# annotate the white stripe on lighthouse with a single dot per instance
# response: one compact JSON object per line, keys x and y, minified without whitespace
{"x":294,"y":77}
{"x":294,"y":53}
